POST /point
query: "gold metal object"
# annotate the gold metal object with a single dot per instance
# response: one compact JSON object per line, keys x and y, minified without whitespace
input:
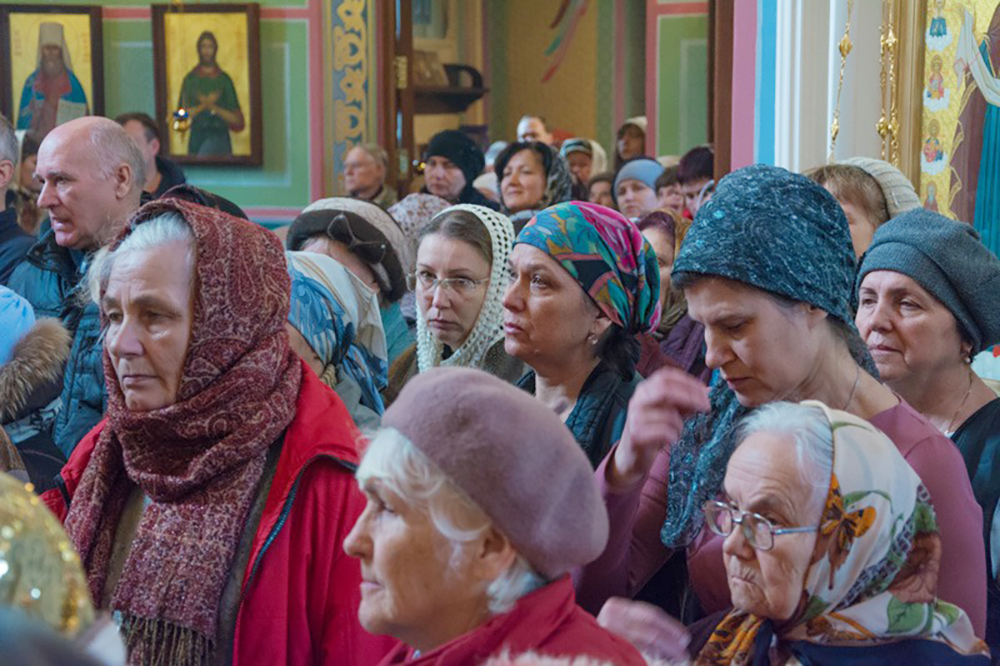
{"x":182,"y":120}
{"x":402,"y":77}
{"x":844,"y":47}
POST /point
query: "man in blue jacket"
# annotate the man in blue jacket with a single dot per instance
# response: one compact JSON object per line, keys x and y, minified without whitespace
{"x":92,"y":175}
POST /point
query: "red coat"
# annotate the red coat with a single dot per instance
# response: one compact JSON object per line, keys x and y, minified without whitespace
{"x":300,"y":591}
{"x":546,"y":622}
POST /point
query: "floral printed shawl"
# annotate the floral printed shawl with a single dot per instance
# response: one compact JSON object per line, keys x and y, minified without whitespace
{"x":874,"y":567}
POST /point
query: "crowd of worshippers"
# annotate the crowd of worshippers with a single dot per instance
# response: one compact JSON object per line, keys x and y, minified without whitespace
{"x":545,"y":411}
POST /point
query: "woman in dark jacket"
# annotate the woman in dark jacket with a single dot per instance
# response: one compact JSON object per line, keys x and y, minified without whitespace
{"x":584,"y":282}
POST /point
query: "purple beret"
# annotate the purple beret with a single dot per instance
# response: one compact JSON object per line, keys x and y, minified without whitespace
{"x":513,"y":457}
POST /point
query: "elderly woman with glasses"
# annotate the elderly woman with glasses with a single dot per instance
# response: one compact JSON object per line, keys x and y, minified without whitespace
{"x":767,"y":267}
{"x":831,"y":550}
{"x":459,"y":280}
{"x":369,"y":243}
{"x":460,"y":563}
{"x":584,"y":282}
{"x":927,"y":304}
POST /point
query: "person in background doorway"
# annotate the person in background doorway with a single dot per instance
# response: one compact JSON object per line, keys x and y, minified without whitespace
{"x":585,"y":157}
{"x":24,"y":189}
{"x":533,"y":176}
{"x":453,"y":162}
{"x":365,"y":168}
{"x":635,"y":187}
{"x":631,"y":140}
{"x":533,"y":128}
{"x":14,"y":242}
{"x":161,"y":173}
{"x":694,"y":171}
{"x":870,"y":191}
{"x":669,"y":193}
{"x":599,"y":190}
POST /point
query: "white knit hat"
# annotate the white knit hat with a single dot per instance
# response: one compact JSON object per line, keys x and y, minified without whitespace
{"x":897,"y":189}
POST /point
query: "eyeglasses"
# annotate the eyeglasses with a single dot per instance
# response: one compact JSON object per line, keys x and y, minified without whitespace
{"x":427,"y":281}
{"x":757,"y":530}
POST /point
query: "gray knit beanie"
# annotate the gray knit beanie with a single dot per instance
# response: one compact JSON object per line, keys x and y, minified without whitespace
{"x":897,"y":189}
{"x":513,"y":457}
{"x":948,"y":260}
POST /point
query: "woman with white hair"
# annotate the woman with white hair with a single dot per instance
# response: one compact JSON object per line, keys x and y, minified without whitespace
{"x":460,"y":563}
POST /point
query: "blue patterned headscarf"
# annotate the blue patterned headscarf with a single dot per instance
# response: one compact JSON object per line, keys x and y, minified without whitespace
{"x":607,"y":255}
{"x":338,"y":315}
{"x":773,"y":230}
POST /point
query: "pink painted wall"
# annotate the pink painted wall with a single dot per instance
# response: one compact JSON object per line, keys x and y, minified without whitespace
{"x":744,"y":81}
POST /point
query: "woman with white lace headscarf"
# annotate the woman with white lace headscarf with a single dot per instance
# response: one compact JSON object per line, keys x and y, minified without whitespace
{"x":459,"y":282}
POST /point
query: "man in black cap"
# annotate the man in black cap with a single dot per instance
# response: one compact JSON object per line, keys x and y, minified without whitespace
{"x":453,"y":162}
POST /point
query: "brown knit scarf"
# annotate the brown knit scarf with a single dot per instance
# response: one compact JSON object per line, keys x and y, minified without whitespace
{"x":199,"y":460}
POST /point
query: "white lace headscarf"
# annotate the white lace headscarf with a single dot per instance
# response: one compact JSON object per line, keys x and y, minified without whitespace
{"x":488,"y":329}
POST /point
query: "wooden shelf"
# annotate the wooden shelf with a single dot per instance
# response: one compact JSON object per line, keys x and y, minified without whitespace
{"x":445,"y":99}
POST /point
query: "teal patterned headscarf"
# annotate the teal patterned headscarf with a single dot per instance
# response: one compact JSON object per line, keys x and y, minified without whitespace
{"x":338,"y":315}
{"x":607,"y":255}
{"x":773,"y":230}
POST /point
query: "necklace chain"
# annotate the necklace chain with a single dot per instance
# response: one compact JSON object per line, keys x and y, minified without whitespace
{"x":857,"y":380}
{"x":951,"y":424}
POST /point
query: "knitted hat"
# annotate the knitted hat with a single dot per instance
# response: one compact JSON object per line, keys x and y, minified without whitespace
{"x":778,"y":231}
{"x":513,"y":457}
{"x":16,"y":318}
{"x":948,"y":260}
{"x":644,"y":169}
{"x":369,"y":231}
{"x":460,"y":149}
{"x":897,"y":189}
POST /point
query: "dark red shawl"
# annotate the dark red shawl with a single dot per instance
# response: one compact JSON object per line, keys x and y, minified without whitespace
{"x":200,"y":460}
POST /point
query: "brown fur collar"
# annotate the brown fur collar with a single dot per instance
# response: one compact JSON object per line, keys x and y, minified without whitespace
{"x":36,"y":359}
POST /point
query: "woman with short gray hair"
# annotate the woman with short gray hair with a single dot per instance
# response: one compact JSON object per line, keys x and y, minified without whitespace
{"x":459,"y":562}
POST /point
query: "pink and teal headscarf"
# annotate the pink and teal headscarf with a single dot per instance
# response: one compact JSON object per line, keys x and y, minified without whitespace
{"x":607,"y":254}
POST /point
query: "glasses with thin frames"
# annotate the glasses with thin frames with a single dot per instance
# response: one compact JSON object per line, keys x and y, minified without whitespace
{"x":427,"y":281}
{"x":757,"y":530}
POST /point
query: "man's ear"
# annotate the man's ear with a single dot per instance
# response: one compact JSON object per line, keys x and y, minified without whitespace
{"x":124,"y":177}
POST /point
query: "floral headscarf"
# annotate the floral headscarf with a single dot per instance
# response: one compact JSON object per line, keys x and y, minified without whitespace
{"x":338,"y":315}
{"x":607,"y":255}
{"x":874,"y":567}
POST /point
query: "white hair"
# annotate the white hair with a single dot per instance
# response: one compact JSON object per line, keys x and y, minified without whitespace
{"x":400,"y":466}
{"x":809,"y":429}
{"x":113,"y":146}
{"x":9,"y":149}
{"x":165,"y":229}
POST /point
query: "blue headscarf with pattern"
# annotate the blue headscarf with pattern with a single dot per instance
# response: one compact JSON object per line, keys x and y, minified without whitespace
{"x":338,"y":315}
{"x":779,"y":232}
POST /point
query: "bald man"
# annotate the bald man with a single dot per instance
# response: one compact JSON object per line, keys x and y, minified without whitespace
{"x":92,"y":174}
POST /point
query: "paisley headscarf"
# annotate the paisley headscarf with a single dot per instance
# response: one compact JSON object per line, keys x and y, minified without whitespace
{"x":874,"y":568}
{"x":779,"y":232}
{"x":607,"y":255}
{"x":338,"y":315}
{"x":488,"y":329}
{"x":199,"y":460}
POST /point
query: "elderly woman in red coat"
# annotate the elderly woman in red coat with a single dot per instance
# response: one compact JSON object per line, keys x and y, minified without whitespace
{"x":479,"y":504}
{"x":210,"y":505}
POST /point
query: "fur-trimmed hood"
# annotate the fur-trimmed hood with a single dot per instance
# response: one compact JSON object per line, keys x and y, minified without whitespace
{"x":36,"y":361}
